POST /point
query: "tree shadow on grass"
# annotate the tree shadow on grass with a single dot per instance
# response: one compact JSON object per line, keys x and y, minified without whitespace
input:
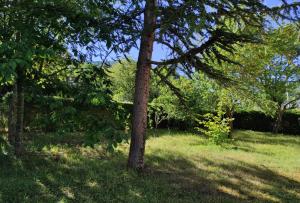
{"x":255,"y":182}
{"x":232,"y":181}
{"x":40,"y":177}
{"x":267,"y":138}
{"x":166,"y":178}
{"x":246,"y":148}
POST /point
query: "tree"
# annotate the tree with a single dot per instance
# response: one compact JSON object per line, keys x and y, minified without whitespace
{"x":270,"y":71}
{"x":176,"y":25}
{"x":281,"y":84}
{"x":142,"y":87}
{"x":31,"y":30}
{"x":280,"y":78}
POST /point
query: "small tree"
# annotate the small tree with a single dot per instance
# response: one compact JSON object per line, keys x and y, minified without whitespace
{"x":217,"y":127}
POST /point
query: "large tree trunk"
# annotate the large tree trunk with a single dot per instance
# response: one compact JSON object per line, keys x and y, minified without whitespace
{"x":142,"y":82}
{"x":19,"y":113}
{"x":12,"y":118}
{"x":278,"y":121}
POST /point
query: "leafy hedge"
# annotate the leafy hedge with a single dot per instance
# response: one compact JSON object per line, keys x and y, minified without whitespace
{"x":98,"y":122}
{"x":252,"y":120}
{"x":256,"y":121}
{"x":44,"y":115}
{"x":260,"y":122}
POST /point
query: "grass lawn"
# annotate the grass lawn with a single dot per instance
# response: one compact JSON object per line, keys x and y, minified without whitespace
{"x":181,"y":167}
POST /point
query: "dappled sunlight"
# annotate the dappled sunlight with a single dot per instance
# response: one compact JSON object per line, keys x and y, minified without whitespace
{"x":177,"y":167}
{"x":92,"y":184}
{"x":68,"y":192}
{"x":231,"y":191}
{"x":240,"y":171}
{"x":235,"y":178}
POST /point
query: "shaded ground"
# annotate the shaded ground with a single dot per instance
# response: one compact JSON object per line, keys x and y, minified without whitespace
{"x":181,"y":167}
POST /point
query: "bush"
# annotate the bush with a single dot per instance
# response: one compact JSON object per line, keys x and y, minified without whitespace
{"x":98,"y":123}
{"x":216,"y":127}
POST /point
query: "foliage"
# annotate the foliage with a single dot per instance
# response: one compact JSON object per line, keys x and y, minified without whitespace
{"x":4,"y":148}
{"x":280,"y":77}
{"x":280,"y":81}
{"x":199,"y":95}
{"x":31,"y":30}
{"x":167,"y":103}
{"x":272,"y":68}
{"x":216,"y":127}
{"x":156,"y":114}
{"x":122,"y":75}
{"x":204,"y":94}
{"x":194,"y":33}
{"x":99,"y":123}
{"x":86,"y":83}
{"x":110,"y":136}
{"x":73,"y":98}
{"x":36,"y":32}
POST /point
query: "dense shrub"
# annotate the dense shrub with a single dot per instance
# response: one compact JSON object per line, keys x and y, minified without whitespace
{"x":258,"y":121}
{"x":98,"y":123}
{"x":216,"y":127}
{"x":291,"y":123}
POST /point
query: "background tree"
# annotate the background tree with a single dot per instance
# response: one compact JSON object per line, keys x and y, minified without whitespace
{"x":270,"y":71}
{"x":280,"y":78}
{"x":122,"y":75}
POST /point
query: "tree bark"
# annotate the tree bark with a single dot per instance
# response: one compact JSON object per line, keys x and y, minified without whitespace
{"x":278,"y":121}
{"x":229,"y":114}
{"x":19,"y":112}
{"x":142,"y":83}
{"x":12,"y":116}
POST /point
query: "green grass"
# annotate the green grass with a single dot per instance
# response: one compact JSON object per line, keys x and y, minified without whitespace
{"x":181,"y":167}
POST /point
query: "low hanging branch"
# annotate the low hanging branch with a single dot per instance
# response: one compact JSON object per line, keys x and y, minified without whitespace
{"x":165,"y":80}
{"x":291,"y":102}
